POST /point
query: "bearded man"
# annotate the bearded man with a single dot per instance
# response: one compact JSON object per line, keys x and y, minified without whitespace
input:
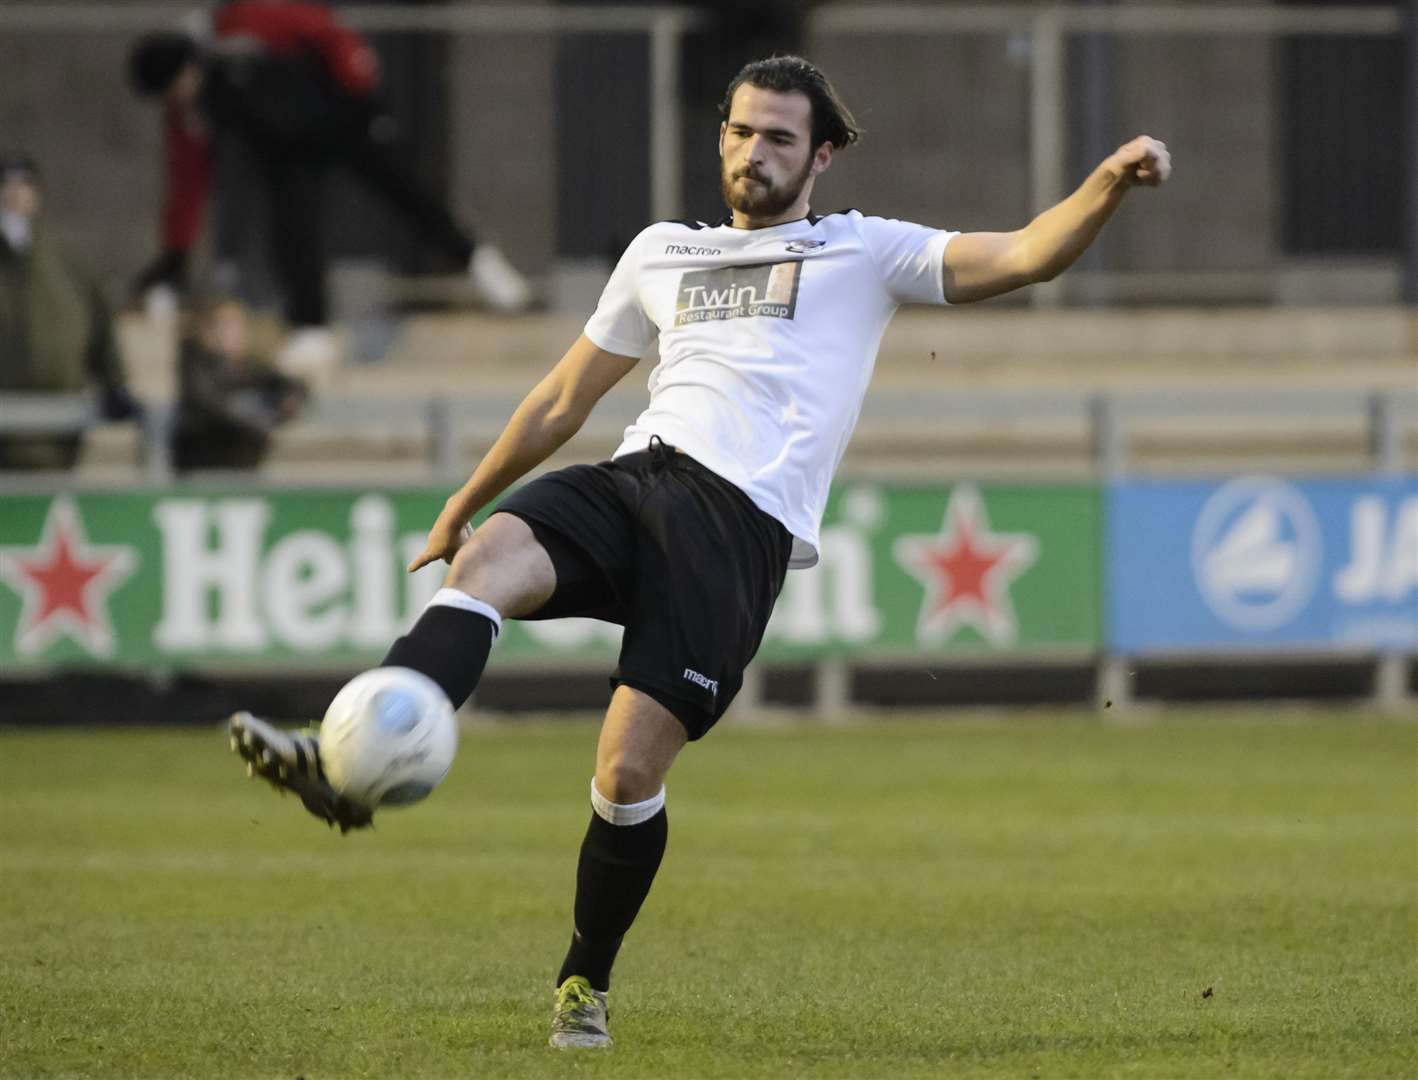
{"x":768,"y":325}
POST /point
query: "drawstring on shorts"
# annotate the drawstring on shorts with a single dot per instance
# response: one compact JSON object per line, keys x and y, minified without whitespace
{"x":661,"y":453}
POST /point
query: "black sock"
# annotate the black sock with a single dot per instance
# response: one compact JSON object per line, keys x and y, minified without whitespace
{"x":618,"y":863}
{"x":450,"y":646}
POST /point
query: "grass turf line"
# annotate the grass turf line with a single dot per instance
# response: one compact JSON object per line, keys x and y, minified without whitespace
{"x":1020,"y":898}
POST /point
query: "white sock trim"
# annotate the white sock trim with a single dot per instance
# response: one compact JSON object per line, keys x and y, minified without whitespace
{"x":626,"y":813}
{"x":458,"y":599}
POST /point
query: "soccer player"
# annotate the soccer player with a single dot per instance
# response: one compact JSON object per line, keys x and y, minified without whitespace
{"x":768,"y":325}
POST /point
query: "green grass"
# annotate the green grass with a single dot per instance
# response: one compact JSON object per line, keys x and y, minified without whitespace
{"x":1034,"y":896}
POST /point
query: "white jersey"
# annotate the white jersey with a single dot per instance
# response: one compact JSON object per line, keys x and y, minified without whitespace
{"x":768,"y":338}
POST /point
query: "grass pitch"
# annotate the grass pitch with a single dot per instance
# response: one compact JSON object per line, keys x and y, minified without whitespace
{"x":1214,"y":894}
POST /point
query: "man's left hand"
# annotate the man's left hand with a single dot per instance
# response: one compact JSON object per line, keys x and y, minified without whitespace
{"x":1143,"y":161}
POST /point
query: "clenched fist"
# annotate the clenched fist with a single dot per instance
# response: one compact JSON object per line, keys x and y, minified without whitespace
{"x":1143,"y":161}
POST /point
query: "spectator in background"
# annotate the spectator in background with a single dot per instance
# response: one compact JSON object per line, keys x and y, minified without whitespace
{"x":301,"y":91}
{"x":229,"y":400}
{"x":55,"y":331}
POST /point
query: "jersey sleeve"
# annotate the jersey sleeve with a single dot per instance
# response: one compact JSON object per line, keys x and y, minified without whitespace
{"x":909,"y":258}
{"x":620,"y":324}
{"x":346,"y":54}
{"x":294,"y":26}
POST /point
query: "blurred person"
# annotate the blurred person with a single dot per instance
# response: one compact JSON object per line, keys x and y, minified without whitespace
{"x":768,"y":325}
{"x":56,"y":334}
{"x":229,"y":400}
{"x":300,"y":92}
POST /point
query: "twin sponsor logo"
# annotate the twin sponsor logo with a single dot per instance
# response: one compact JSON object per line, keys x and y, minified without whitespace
{"x":806,"y":247}
{"x":738,"y":292}
{"x":1262,"y":561}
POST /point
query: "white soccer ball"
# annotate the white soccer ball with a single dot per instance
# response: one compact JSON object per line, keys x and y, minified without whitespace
{"x":388,"y":738}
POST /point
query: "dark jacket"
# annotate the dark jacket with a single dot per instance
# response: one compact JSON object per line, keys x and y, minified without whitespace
{"x":56,"y":336}
{"x":225,"y":416}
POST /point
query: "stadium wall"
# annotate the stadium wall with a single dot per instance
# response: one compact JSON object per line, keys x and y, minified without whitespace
{"x":950,"y":145}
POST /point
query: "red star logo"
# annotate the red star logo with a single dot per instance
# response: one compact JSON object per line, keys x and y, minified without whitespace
{"x":64,"y":583}
{"x":966,"y":570}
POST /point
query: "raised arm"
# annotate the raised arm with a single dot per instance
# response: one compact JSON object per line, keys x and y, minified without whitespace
{"x":983,"y":264}
{"x":548,"y":416}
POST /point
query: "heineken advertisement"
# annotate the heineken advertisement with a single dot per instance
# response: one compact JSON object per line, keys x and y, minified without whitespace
{"x":269,"y":579}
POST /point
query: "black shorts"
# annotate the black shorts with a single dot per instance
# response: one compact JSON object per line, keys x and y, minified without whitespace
{"x":677,"y":555}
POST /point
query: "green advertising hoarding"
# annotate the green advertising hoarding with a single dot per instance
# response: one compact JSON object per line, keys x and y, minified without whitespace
{"x":270,"y":579}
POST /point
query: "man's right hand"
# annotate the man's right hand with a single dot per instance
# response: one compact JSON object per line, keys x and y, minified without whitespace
{"x":449,"y":533}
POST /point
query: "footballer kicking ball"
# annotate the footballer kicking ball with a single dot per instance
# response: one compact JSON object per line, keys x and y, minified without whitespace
{"x":388,"y":738}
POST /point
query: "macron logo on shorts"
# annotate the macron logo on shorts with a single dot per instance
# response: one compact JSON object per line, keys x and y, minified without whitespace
{"x":712,"y":685}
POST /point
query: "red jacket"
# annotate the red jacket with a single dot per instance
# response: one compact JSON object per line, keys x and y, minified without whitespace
{"x":292,"y":27}
{"x":283,"y":27}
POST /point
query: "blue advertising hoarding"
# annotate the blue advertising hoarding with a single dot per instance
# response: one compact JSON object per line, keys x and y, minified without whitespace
{"x":1264,"y":563}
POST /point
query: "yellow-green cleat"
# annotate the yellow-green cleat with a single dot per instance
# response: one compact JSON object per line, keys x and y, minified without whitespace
{"x":579,"y":1016}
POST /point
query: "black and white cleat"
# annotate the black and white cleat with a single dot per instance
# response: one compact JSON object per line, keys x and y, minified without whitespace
{"x":290,"y":761}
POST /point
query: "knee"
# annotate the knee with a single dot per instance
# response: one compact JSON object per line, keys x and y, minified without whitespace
{"x":466,"y":570}
{"x":503,"y":565}
{"x":479,"y":569}
{"x":622,"y":778}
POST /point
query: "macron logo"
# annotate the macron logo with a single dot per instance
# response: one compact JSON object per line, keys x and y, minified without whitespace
{"x":712,"y":685}
{"x":687,"y":249}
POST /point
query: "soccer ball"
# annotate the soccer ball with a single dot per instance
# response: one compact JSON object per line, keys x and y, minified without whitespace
{"x":388,"y":738}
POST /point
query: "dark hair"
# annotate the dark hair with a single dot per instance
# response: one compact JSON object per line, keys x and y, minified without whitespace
{"x":832,"y":121}
{"x":156,"y":60}
{"x":17,"y":161}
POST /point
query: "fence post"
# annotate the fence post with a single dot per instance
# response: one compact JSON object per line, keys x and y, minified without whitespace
{"x":748,"y":703}
{"x":1391,"y":684}
{"x":831,"y":688}
{"x":1113,"y":685}
{"x":1048,"y":155}
{"x":666,"y":192}
{"x":1410,"y":93}
{"x":1107,"y":433}
{"x":1384,"y":450}
{"x":1391,"y":668}
{"x":157,"y":457}
{"x":442,"y":445}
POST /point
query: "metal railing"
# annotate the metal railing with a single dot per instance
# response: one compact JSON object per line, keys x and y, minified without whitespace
{"x":440,"y":423}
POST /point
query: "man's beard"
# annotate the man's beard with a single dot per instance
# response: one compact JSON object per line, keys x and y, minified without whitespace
{"x":764,"y":200}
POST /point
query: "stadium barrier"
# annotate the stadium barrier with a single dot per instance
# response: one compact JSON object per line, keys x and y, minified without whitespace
{"x":442,"y":424}
{"x":249,"y":578}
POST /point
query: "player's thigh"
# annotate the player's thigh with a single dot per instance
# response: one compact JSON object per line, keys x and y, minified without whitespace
{"x":639,"y":741}
{"x":710,"y":567}
{"x":504,"y":565}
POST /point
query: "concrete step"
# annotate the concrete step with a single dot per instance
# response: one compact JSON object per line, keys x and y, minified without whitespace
{"x":974,"y":347}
